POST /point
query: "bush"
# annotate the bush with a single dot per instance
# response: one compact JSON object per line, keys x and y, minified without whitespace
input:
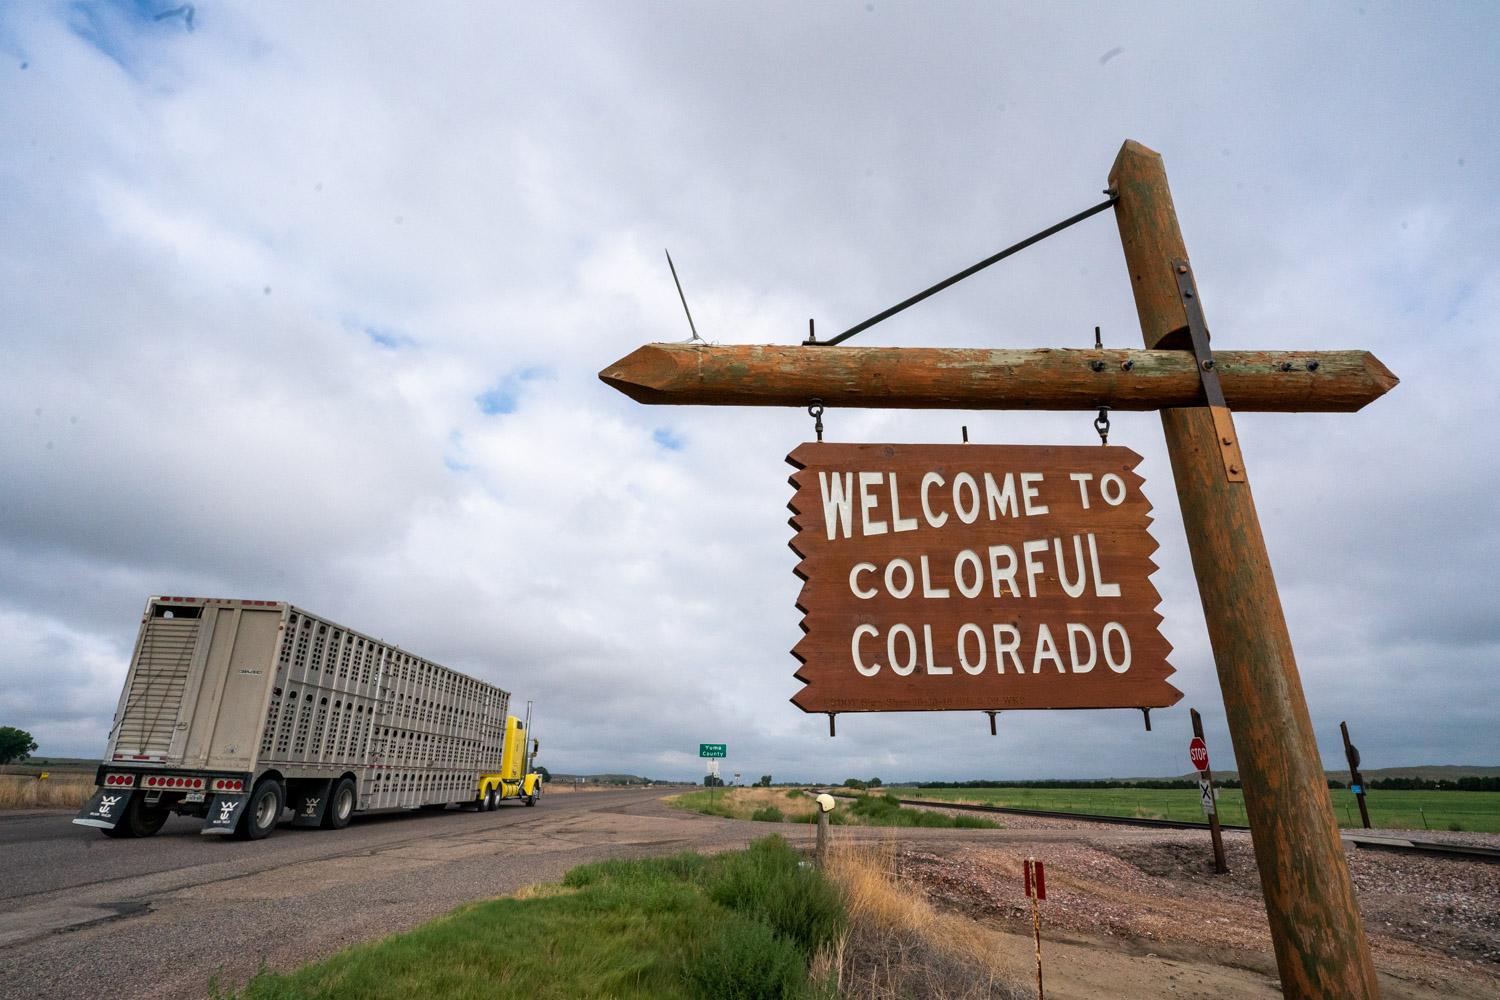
{"x":766,"y":882}
{"x":770,"y":814}
{"x":746,"y":960}
{"x":796,"y":793}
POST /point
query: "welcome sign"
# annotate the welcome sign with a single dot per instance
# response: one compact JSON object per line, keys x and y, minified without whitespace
{"x":942,"y":577}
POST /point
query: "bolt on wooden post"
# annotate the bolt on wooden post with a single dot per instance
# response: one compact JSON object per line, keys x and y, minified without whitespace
{"x":1319,"y":938}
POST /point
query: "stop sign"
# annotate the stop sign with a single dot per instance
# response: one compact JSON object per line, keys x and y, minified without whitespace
{"x":1198,"y":753}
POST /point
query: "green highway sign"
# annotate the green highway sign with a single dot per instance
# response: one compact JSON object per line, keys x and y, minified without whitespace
{"x":711,"y":750}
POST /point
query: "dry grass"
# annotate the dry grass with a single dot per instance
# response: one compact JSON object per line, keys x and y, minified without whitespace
{"x":742,"y":803}
{"x":898,"y":945}
{"x":68,"y":791}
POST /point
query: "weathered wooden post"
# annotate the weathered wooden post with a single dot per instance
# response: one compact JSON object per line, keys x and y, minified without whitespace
{"x":825,"y":805}
{"x":1221,"y":867}
{"x":1356,"y":780}
{"x":1321,"y":950}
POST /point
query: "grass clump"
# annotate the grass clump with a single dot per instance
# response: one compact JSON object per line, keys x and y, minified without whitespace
{"x":739,"y":925}
{"x":796,"y":793}
{"x":887,"y":810}
{"x":897,"y":944}
{"x":768,"y":806}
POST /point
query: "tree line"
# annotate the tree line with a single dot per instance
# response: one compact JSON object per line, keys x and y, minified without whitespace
{"x":1488,"y":783}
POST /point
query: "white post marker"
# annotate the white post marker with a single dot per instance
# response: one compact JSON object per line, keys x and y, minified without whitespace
{"x":825,"y":806}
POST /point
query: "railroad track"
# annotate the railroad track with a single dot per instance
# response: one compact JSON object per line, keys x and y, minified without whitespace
{"x":1466,"y":852}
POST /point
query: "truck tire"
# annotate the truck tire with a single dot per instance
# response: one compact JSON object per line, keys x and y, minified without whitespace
{"x":262,"y":812}
{"x":531,"y":799}
{"x":491,"y":801}
{"x":139,"y":820}
{"x":340,"y":805}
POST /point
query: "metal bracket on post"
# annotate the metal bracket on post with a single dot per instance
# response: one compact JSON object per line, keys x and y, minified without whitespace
{"x":992,"y":715}
{"x":1208,"y":373}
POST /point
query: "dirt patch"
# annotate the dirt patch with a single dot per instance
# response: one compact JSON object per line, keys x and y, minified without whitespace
{"x":1434,"y":924}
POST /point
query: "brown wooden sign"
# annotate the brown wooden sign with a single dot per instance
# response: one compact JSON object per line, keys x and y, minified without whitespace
{"x":975,"y":577}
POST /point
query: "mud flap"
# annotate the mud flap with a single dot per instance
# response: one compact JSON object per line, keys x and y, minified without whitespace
{"x":224,"y":813}
{"x":105,"y":809}
{"x":311,"y":803}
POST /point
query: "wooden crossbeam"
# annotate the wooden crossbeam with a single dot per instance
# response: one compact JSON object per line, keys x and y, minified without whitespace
{"x":974,"y":379}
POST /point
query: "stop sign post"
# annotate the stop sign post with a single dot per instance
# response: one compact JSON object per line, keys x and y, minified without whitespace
{"x":1198,"y":754}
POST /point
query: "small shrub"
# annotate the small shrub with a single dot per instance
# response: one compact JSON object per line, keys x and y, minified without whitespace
{"x":974,"y":823}
{"x":767,"y":883}
{"x":746,"y":960}
{"x":1456,"y":827}
{"x":770,"y":814}
{"x":796,"y":793}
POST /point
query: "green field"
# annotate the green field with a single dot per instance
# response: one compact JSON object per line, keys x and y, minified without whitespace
{"x":1472,"y":811}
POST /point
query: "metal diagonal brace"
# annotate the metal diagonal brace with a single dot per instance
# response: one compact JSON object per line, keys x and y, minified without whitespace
{"x":1213,"y":392}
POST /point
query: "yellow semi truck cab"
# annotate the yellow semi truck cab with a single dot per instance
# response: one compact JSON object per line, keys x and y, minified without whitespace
{"x":515,"y":779}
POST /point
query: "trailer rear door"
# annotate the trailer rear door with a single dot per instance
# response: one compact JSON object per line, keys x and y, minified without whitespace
{"x":165,"y":657}
{"x":226,"y":724}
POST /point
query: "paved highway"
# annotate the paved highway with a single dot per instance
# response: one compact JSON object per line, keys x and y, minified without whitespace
{"x":161,"y":918}
{"x":85,"y":916}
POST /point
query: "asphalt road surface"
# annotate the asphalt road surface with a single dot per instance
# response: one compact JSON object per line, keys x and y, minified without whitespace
{"x":85,"y":916}
{"x":165,"y":917}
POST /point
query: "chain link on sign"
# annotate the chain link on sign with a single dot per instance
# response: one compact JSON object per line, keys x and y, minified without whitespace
{"x":815,"y":410}
{"x":1101,"y":424}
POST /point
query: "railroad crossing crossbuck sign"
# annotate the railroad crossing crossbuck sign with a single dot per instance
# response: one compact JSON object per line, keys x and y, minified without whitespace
{"x":1321,"y":950}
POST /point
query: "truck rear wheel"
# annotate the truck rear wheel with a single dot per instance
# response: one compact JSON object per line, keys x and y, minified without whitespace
{"x":491,"y":801}
{"x":139,"y":820}
{"x":340,"y":805}
{"x":262,"y":812}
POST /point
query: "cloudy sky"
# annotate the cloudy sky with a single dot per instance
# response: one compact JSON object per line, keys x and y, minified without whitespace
{"x":307,"y":302}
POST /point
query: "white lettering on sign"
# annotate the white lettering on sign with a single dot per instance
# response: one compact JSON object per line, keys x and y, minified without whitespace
{"x":1044,"y":559}
{"x":946,"y":576}
{"x":970,"y":648}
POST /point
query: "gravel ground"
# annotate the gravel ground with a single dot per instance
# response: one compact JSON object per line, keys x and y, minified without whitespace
{"x":1434,"y":923}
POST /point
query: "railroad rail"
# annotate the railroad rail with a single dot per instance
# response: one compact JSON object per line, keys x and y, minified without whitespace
{"x":1362,"y":841}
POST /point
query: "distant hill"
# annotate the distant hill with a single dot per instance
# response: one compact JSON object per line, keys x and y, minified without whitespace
{"x":34,"y":764}
{"x":1430,"y":772}
{"x":602,"y":779}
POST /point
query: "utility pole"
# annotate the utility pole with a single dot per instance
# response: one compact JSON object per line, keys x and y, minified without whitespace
{"x":1321,"y":949}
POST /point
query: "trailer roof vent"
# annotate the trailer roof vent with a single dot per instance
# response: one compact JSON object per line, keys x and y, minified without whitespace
{"x":177,"y":611}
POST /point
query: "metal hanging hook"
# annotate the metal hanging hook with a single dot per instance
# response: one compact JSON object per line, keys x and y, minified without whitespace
{"x":1101,"y":424}
{"x":815,"y":410}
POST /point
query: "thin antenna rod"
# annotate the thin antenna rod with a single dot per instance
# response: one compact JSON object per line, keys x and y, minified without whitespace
{"x":681,"y":296}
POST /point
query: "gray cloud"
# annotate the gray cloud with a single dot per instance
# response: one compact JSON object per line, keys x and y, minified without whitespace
{"x":490,"y":192}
